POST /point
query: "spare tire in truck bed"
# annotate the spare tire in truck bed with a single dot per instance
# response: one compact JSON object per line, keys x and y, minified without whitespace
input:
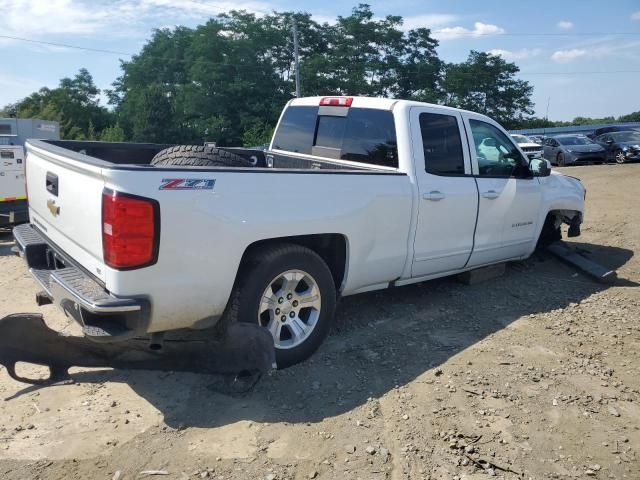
{"x":198,"y":156}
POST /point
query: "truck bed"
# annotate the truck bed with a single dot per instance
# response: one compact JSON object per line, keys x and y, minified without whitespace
{"x":204,"y":232}
{"x":126,"y":155}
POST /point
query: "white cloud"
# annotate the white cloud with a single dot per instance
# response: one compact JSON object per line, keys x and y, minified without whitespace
{"x":38,"y":18}
{"x":565,"y":25}
{"x":521,"y":54}
{"x":428,"y":20}
{"x":566,"y":56}
{"x":479,"y":29}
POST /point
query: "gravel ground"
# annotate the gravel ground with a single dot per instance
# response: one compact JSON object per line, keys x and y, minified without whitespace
{"x":532,"y":375}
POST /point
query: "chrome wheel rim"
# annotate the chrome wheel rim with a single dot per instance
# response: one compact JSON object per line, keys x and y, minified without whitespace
{"x":290,"y":308}
{"x":620,"y":157}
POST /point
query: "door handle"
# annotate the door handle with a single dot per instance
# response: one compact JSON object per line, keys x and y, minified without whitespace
{"x":490,"y":194}
{"x":433,"y":195}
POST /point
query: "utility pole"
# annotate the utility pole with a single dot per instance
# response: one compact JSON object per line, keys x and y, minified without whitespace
{"x":546,"y":117}
{"x":296,"y":58}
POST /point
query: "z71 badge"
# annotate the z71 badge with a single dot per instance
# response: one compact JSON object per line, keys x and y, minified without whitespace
{"x":187,"y":184}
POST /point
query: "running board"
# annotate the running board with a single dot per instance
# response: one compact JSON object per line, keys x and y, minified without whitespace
{"x":571,"y":256}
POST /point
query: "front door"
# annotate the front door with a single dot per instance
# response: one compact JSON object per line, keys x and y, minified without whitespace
{"x":510,"y":196}
{"x":448,"y":194}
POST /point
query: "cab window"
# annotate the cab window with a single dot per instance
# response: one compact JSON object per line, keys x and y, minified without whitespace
{"x":441,"y":144}
{"x":497,"y":155}
{"x":363,"y":135}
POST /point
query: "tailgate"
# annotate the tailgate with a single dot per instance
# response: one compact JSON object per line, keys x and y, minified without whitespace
{"x":65,"y":204}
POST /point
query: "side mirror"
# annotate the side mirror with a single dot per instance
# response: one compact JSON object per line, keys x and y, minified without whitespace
{"x":609,"y":142}
{"x":540,"y":167}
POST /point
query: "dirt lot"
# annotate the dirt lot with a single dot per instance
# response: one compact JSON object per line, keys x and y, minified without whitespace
{"x":532,"y":375}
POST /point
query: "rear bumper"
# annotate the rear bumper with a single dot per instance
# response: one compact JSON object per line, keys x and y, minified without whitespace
{"x":13,"y":212}
{"x":103,"y":317}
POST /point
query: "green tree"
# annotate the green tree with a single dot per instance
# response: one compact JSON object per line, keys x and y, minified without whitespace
{"x":259,"y":134}
{"x":74,"y":103}
{"x":114,"y":133}
{"x":631,"y":117}
{"x":487,"y":84}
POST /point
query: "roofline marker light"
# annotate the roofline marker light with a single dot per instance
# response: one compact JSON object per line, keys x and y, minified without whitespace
{"x":336,"y":101}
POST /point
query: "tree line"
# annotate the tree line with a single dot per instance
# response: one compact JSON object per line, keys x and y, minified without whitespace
{"x":226,"y":81}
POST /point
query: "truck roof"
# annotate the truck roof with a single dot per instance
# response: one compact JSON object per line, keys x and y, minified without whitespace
{"x":371,"y":102}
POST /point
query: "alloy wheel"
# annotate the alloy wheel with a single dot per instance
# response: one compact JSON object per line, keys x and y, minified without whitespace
{"x":290,"y":308}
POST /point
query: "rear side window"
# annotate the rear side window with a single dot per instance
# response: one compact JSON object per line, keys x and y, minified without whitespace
{"x":442,"y":144}
{"x":296,"y":130}
{"x":364,"y":135}
{"x":370,"y":137}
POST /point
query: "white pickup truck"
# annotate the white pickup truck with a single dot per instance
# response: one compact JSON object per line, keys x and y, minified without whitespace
{"x":354,"y":194}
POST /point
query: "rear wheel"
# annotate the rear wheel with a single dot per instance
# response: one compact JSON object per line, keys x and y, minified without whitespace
{"x":289,"y":290}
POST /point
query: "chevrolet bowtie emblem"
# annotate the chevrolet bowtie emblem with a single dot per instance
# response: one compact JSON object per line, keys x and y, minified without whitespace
{"x":53,"y":208}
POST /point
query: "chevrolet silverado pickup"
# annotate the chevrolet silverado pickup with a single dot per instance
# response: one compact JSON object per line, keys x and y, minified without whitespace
{"x":353,"y":194}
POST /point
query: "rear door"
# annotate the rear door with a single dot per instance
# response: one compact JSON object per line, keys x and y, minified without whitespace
{"x":448,"y":194}
{"x":551,"y":150}
{"x":510,"y":197}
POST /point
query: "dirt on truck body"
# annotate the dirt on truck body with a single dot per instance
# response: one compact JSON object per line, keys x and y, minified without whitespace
{"x":535,"y":374}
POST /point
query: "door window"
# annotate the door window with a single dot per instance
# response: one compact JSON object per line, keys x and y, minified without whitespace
{"x":442,"y":144}
{"x":497,"y":155}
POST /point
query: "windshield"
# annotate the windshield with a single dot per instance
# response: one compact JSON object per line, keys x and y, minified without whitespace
{"x":626,"y":136}
{"x":574,"y":140}
{"x":522,"y":139}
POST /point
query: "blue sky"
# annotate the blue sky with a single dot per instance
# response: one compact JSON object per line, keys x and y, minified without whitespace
{"x":556,"y":44}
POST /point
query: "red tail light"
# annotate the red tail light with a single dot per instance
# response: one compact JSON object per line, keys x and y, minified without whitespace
{"x":336,"y":101}
{"x":130,"y":230}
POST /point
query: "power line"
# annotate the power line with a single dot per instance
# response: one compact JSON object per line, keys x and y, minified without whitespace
{"x":261,"y":68}
{"x":65,"y":45}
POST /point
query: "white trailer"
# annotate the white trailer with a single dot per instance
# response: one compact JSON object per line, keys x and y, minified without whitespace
{"x":13,"y":195}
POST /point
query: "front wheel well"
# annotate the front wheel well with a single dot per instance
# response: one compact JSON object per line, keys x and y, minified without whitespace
{"x":331,"y":247}
{"x":550,"y":231}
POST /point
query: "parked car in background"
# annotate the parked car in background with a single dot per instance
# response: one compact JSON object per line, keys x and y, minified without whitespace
{"x":613,"y":128}
{"x":621,"y":146}
{"x":528,"y":146}
{"x":572,"y":149}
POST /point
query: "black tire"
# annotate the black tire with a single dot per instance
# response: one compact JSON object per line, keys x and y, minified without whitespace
{"x":198,"y":156}
{"x":259,"y":270}
{"x":549,"y":234}
{"x":560,"y":159}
